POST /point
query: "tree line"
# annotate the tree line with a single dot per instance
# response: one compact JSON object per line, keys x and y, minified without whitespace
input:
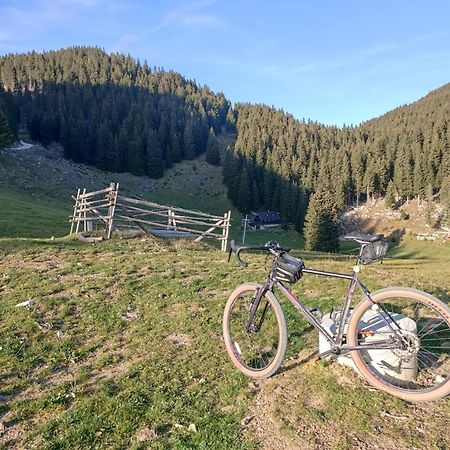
{"x":114,"y":112}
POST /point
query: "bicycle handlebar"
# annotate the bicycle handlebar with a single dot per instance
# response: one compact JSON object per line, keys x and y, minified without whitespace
{"x":271,"y":246}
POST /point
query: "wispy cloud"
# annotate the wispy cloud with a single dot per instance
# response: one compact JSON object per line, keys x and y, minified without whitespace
{"x":428,"y":37}
{"x":190,"y":16}
{"x":187,"y":16}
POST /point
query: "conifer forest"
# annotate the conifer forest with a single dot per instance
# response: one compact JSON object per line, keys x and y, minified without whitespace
{"x":118,"y":114}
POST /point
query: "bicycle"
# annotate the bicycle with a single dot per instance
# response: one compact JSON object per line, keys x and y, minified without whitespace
{"x":397,"y":337}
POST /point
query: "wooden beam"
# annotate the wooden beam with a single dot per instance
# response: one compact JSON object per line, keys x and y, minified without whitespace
{"x":219,"y":222}
{"x":74,"y":210}
{"x":86,"y":195}
{"x":156,"y":205}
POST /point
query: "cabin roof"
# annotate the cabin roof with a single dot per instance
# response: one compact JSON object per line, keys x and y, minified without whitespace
{"x":265,"y":216}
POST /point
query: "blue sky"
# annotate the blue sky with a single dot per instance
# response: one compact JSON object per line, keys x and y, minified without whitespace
{"x":334,"y":61}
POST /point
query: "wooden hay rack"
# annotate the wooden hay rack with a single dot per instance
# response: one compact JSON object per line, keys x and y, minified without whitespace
{"x":107,"y":209}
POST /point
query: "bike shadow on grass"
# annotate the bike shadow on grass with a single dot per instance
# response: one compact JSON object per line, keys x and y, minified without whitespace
{"x":305,"y":361}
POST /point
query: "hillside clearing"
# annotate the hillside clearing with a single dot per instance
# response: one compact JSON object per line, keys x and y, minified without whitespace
{"x":122,"y":348}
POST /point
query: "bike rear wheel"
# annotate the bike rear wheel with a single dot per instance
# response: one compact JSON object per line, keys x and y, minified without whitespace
{"x":418,"y":370}
{"x":257,"y":348}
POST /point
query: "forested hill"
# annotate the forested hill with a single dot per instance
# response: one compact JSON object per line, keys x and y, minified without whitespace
{"x":118,"y":114}
{"x":404,"y":152}
{"x":110,"y":110}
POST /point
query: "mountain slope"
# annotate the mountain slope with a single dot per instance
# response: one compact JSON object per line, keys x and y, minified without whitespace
{"x":110,"y":111}
{"x":407,"y":149}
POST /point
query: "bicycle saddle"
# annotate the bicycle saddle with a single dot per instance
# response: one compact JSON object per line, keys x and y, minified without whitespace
{"x":363,"y":238}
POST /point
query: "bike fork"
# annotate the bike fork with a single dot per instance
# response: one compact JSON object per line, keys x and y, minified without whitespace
{"x":254,"y":307}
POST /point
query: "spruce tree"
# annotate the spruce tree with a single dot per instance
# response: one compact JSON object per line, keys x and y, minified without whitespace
{"x":6,"y":135}
{"x":189,"y":143}
{"x":389,"y":198}
{"x":321,"y":228}
{"x":212,"y":155}
{"x":244,"y":197}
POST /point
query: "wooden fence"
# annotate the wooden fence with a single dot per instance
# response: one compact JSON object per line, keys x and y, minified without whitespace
{"x":106,"y":209}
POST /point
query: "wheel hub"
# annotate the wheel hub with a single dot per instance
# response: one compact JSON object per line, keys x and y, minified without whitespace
{"x":410,"y":345}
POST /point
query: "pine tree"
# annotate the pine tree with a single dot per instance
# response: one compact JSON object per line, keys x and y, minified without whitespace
{"x":389,"y":199}
{"x":189,"y":144}
{"x":212,"y":155}
{"x":321,"y":228}
{"x":244,"y":199}
{"x":6,"y":135}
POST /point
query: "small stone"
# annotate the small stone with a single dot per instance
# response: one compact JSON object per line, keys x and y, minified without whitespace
{"x":45,"y":326}
{"x":192,"y":427}
{"x":29,"y":302}
{"x":246,"y":420}
{"x":146,"y":434}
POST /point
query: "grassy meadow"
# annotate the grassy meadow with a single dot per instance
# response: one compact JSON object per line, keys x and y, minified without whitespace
{"x":122,"y":348}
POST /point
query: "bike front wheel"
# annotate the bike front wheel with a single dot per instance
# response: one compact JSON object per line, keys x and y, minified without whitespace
{"x":416,"y":326}
{"x":257,"y":344}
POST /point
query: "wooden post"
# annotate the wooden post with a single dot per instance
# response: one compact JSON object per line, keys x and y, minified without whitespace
{"x":80,"y":206}
{"x":74,"y":212}
{"x":112,"y":208}
{"x":226,"y":228}
{"x":169,"y":219}
{"x":85,"y":205}
{"x":174,"y":222}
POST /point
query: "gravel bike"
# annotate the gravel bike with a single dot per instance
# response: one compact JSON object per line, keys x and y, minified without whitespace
{"x":398,"y":338}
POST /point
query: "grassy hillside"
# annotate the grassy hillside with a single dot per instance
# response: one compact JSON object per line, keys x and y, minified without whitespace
{"x":122,"y":348}
{"x":36,"y":185}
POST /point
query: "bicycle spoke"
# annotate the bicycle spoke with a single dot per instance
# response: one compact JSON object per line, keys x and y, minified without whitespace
{"x":420,"y":364}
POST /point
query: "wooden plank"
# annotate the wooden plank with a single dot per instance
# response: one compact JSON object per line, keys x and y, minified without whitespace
{"x":164,"y":224}
{"x":95,"y":202}
{"x":156,"y":205}
{"x":160,"y":211}
{"x":88,"y":209}
{"x":82,"y":219}
{"x":178,"y":218}
{"x":86,"y":195}
{"x":219,"y":222}
{"x":124,"y":209}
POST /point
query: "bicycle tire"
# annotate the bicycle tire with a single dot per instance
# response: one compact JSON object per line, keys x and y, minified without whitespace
{"x":233,"y":328}
{"x":426,"y":339}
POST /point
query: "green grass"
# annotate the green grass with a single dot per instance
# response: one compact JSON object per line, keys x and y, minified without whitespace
{"x":123,"y":349}
{"x":25,"y":215}
{"x":123,"y":346}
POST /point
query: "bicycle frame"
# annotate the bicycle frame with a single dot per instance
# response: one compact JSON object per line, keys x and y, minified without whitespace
{"x":337,"y":342}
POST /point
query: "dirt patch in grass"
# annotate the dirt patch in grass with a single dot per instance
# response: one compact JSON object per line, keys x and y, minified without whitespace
{"x":298,"y":409}
{"x":179,"y":339}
